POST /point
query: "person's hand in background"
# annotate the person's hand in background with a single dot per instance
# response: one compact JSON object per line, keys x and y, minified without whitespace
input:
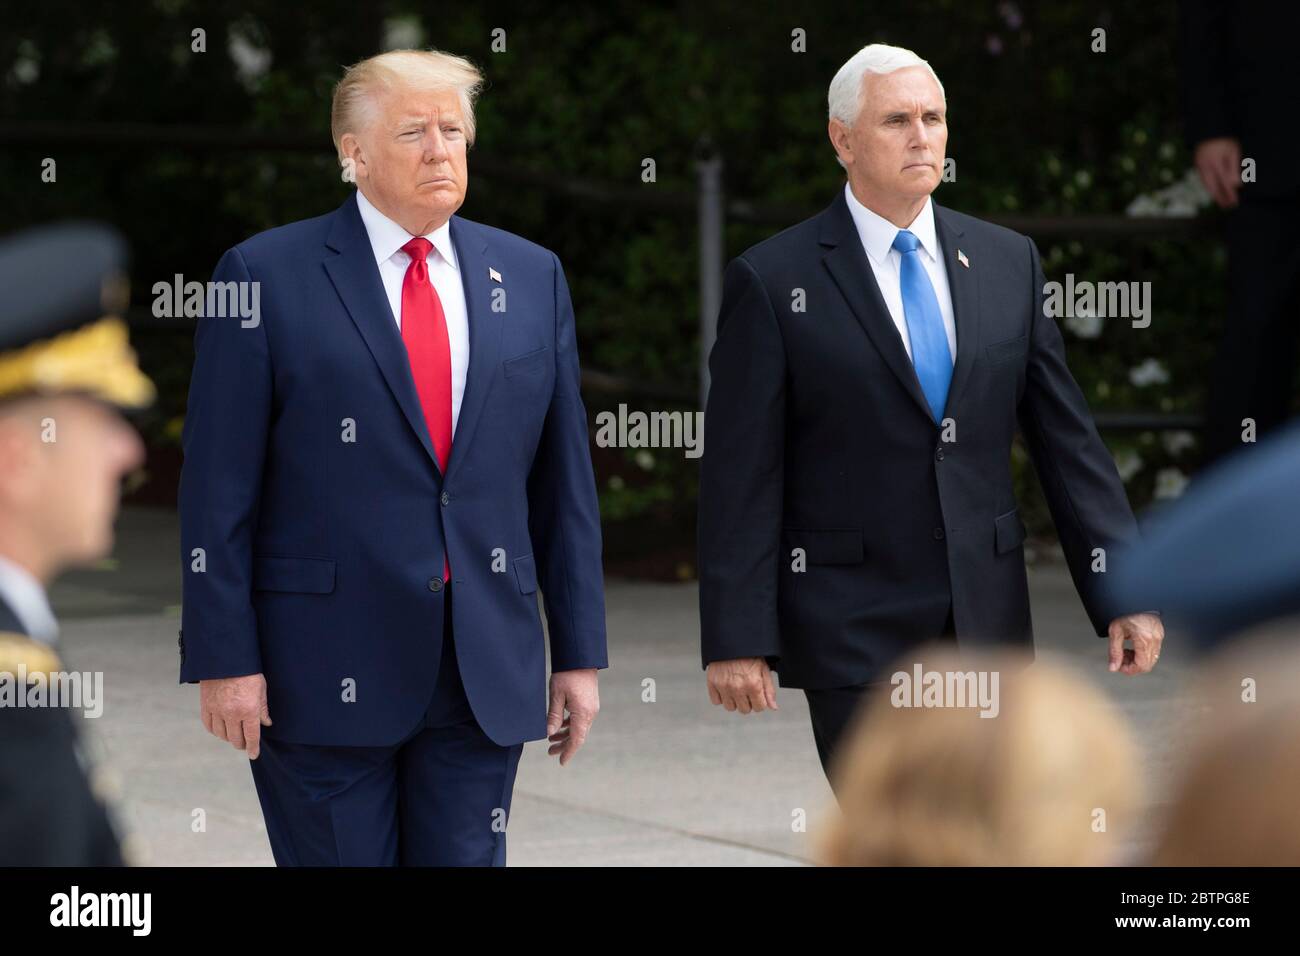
{"x":1218,"y":161}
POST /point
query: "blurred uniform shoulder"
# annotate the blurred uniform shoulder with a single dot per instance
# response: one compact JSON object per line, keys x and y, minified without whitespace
{"x":49,"y":815}
{"x":20,"y":652}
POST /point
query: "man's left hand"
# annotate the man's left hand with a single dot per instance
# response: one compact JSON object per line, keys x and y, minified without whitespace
{"x":576,"y":692}
{"x":1147,"y":632}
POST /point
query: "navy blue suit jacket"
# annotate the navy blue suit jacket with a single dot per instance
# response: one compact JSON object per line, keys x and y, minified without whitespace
{"x":821,"y":444}
{"x":319,"y":555}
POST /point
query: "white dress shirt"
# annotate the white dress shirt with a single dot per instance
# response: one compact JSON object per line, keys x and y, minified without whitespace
{"x":25,"y":596}
{"x":877,"y":234}
{"x":387,"y":239}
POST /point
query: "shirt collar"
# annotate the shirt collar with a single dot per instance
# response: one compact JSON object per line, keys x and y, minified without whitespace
{"x":26,"y":598}
{"x":387,"y":237}
{"x":877,"y":232}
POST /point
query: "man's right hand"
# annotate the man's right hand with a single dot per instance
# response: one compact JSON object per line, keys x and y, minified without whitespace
{"x":744,"y":684}
{"x":234,"y":709}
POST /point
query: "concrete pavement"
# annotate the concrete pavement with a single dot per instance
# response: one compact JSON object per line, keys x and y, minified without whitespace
{"x":669,"y":782}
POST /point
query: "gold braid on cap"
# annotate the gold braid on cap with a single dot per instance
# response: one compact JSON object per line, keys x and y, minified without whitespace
{"x":96,"y":358}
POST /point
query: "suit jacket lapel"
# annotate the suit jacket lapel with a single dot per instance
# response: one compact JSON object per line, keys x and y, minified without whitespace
{"x":963,"y":285}
{"x":849,"y":267}
{"x":356,"y":279}
{"x":485,"y":330}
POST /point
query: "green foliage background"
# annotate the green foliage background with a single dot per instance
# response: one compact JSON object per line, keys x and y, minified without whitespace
{"x":1039,"y":124}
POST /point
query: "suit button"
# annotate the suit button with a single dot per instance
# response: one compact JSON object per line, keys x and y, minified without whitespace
{"x":445,"y":498}
{"x":435,"y":584}
{"x":938,"y":534}
{"x":938,"y":455}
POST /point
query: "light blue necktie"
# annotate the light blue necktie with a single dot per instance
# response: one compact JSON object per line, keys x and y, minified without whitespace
{"x":930,"y":355}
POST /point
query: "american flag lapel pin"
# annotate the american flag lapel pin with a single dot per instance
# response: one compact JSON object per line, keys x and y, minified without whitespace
{"x":961,"y":257}
{"x":493,"y":274}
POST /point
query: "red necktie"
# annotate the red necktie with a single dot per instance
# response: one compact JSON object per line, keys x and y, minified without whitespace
{"x":424,"y":331}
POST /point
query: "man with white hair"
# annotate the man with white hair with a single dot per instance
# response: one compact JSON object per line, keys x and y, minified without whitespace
{"x":871,"y":366}
{"x":399,"y":421}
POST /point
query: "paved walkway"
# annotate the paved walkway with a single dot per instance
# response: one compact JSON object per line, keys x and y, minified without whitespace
{"x":674,"y":782}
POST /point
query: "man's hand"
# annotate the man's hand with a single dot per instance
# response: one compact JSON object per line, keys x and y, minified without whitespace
{"x":744,"y":684}
{"x":1219,"y":163}
{"x":234,"y":709}
{"x":576,"y":692}
{"x":1147,"y":632}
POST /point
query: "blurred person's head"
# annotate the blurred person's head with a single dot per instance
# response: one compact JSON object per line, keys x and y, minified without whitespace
{"x":1048,"y":778}
{"x":403,"y":122}
{"x":888,"y":124}
{"x":1236,"y":801}
{"x":66,"y":368}
{"x":62,"y":459}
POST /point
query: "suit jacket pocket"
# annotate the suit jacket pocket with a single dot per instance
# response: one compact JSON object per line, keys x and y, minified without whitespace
{"x":1009,"y":531}
{"x":528,"y":362}
{"x":278,"y":572}
{"x":825,"y":546}
{"x":526,"y":574}
{"x":1008,"y":350}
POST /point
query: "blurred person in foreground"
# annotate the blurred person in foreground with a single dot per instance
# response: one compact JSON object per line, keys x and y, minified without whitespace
{"x":1225,"y":557}
{"x":1236,"y":798}
{"x":1049,"y":778}
{"x":1223,"y":562}
{"x":65,"y":371}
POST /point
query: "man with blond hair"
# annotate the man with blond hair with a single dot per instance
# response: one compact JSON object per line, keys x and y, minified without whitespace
{"x":399,"y":421}
{"x":871,"y":367}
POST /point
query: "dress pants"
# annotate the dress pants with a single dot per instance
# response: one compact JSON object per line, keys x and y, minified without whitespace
{"x":832,"y":709}
{"x":440,"y":797}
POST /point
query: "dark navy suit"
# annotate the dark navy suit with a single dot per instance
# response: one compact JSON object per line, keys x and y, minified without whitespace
{"x":820,"y":442}
{"x":321,"y":561}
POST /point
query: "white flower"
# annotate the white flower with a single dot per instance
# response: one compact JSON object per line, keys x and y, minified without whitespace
{"x":403,"y":33}
{"x":1150,"y":372}
{"x":644,"y":460}
{"x":1170,"y":483}
{"x":1181,"y":199}
{"x":1085,"y":325}
{"x":1142,"y":206}
{"x":1178,"y":442}
{"x":1128,"y":463}
{"x":251,"y":61}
